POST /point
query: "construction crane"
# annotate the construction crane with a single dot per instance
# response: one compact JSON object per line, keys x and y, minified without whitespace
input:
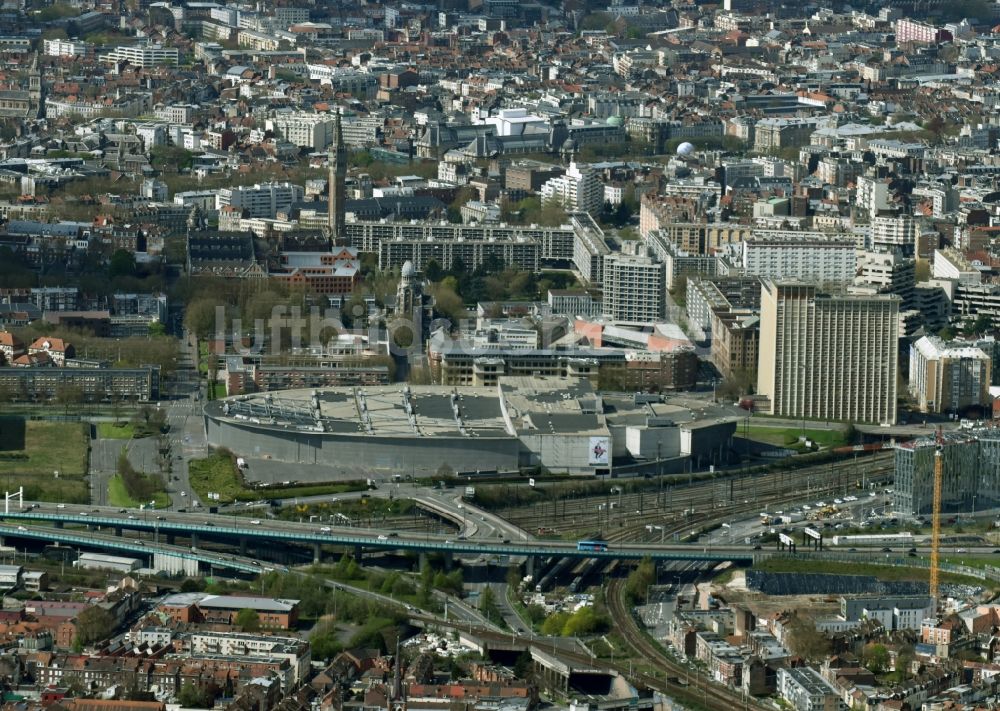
{"x":936,"y":519}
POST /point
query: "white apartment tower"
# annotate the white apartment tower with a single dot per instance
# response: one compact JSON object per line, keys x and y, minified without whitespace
{"x":805,"y":256}
{"x":579,"y":190}
{"x":872,"y":195}
{"x":894,"y":231}
{"x":261,"y":200}
{"x":312,"y":131}
{"x":948,"y":377}
{"x":144,"y":55}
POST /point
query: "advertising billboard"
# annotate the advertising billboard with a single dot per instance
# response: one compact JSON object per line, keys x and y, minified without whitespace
{"x":600,"y":451}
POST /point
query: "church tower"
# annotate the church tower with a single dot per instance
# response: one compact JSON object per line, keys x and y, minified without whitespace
{"x":397,"y":696}
{"x":337,"y":159}
{"x":35,"y":96}
{"x":409,"y":294}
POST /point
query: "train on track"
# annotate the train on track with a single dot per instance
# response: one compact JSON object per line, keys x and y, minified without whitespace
{"x":882,"y":539}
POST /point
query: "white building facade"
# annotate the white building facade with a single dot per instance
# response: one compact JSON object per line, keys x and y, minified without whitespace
{"x":579,"y":190}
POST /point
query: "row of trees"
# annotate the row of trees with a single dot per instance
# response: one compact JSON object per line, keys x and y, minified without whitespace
{"x":585,"y":621}
{"x":493,"y":280}
{"x":139,"y":486}
{"x":639,"y":581}
{"x":378,"y":623}
{"x":149,"y":422}
{"x":122,"y":352}
{"x":95,"y":271}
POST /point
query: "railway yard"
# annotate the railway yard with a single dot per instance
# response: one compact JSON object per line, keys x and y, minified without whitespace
{"x":723,"y":513}
{"x":716,"y":523}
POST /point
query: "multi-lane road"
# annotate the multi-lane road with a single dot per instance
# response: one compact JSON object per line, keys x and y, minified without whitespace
{"x":240,"y":530}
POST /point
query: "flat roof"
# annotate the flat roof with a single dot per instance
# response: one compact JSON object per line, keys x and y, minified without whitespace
{"x":390,"y":410}
{"x":102,"y":558}
{"x":230,"y":602}
{"x":544,"y":405}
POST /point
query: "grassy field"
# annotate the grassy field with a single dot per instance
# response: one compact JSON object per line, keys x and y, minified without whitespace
{"x":882,"y":572}
{"x":111,"y":430}
{"x":31,"y":452}
{"x":217,"y":390}
{"x":218,"y":474}
{"x":86,"y":409}
{"x":789,"y":436}
{"x":118,"y":496}
{"x":971,"y":561}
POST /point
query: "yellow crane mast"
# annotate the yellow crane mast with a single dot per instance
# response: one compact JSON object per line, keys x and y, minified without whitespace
{"x":936,"y":522}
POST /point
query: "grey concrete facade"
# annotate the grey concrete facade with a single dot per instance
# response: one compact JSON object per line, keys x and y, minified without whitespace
{"x":414,"y":455}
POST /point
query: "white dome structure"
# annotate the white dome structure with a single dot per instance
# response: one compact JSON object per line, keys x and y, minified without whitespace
{"x":685,"y":149}
{"x":407,"y":269}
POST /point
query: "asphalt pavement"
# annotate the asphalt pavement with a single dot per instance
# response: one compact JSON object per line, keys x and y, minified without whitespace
{"x":186,"y":436}
{"x":104,"y":453}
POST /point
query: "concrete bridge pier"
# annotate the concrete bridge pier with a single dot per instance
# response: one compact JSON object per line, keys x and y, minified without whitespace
{"x":449,"y":560}
{"x":529,"y":566}
{"x":243,"y":545}
{"x":194,"y":540}
{"x":317,"y":553}
{"x":58,"y":524}
{"x":421,"y":560}
{"x":359,"y":554}
{"x":118,"y":531}
{"x":553,"y":674}
{"x":170,"y":539}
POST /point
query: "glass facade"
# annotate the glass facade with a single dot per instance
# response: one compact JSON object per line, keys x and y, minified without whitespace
{"x":970,"y":476}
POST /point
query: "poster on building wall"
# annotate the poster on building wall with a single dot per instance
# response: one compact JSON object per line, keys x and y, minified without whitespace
{"x":600,"y":451}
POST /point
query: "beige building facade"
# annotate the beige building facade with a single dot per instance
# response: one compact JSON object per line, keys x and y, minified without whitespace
{"x":828,"y":356}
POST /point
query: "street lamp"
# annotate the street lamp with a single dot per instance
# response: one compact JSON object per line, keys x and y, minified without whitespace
{"x":618,"y":490}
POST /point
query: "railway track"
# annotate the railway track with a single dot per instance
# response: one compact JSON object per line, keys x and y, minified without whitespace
{"x":711,"y":694}
{"x":695,"y":502}
{"x":704,"y":694}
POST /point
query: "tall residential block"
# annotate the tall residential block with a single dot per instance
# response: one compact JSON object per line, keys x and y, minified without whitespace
{"x":634,"y":288}
{"x":806,"y":256}
{"x":828,"y":356}
{"x":949,"y":377}
{"x":261,"y":199}
{"x":579,"y":190}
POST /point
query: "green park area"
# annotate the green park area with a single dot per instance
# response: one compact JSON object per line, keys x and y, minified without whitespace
{"x":115,"y":430}
{"x":918,"y":573}
{"x":147,"y":421}
{"x":218,"y":474}
{"x":789,"y":436}
{"x":31,"y":453}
